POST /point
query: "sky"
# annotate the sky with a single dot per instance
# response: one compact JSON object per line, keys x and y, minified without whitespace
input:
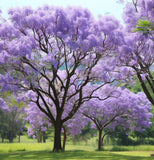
{"x":97,"y":7}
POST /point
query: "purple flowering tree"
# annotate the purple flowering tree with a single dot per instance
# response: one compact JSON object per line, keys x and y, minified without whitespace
{"x":53,"y":54}
{"x":38,"y":121}
{"x":128,"y":110}
{"x":137,"y":49}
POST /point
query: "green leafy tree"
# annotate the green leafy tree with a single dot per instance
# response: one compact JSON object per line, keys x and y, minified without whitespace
{"x":146,"y":27}
{"x":11,"y":119}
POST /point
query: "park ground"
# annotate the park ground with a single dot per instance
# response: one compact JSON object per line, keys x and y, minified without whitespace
{"x":43,"y":151}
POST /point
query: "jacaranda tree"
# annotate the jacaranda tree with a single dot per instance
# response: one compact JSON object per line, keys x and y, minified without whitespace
{"x":53,"y":54}
{"x":129,"y":110}
{"x":137,"y":49}
{"x":39,"y":124}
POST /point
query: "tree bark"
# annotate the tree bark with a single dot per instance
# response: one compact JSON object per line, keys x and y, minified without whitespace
{"x":44,"y":138}
{"x":64,"y":139}
{"x":151,"y":84}
{"x":57,"y":137}
{"x":100,"y":140}
{"x":147,"y":93}
{"x":39,"y":137}
{"x":19,"y":138}
{"x":10,"y":140}
{"x":104,"y":136}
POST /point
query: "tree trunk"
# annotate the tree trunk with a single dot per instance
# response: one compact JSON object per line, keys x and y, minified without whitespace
{"x":57,"y":137}
{"x":39,"y":137}
{"x":100,"y":140}
{"x":10,"y":140}
{"x":64,"y":139}
{"x":19,"y":138}
{"x":104,"y":136}
{"x":11,"y":135}
{"x":146,"y":91}
{"x":44,"y":138}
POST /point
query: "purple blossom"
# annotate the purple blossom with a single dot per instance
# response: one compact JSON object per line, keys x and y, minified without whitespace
{"x":3,"y":105}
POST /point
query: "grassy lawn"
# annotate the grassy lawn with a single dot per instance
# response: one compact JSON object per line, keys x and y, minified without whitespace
{"x":35,"y":151}
{"x":76,"y":155}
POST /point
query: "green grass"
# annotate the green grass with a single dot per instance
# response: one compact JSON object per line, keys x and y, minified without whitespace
{"x":35,"y":151}
{"x":129,"y":148}
{"x":15,"y":147}
{"x":75,"y":155}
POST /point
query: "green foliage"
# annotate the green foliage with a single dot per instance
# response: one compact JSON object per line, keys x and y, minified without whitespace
{"x":119,"y":148}
{"x":136,"y":87}
{"x":11,"y":101}
{"x":10,"y":122}
{"x":144,"y":26}
{"x":8,"y":126}
{"x":119,"y":137}
{"x":86,"y":134}
{"x":3,"y":124}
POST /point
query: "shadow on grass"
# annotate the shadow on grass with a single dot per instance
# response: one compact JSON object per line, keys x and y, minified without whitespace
{"x":68,"y":155}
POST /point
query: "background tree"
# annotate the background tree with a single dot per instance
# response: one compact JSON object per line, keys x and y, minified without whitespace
{"x":129,"y":110}
{"x":3,"y":119}
{"x":12,"y":114}
{"x":11,"y":124}
{"x":39,"y":123}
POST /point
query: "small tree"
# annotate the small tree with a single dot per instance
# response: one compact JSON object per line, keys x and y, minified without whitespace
{"x":39,"y":123}
{"x":129,"y":110}
{"x":10,"y":124}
